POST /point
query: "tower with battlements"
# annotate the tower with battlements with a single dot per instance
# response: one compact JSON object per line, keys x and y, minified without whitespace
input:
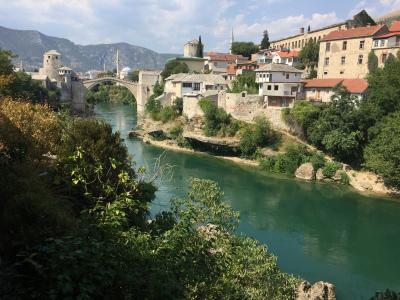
{"x":51,"y":65}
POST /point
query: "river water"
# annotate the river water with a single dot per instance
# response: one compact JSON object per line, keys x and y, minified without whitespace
{"x":318,"y":231}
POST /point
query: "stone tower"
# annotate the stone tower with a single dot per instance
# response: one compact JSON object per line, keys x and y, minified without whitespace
{"x":190,"y":48}
{"x":51,"y":64}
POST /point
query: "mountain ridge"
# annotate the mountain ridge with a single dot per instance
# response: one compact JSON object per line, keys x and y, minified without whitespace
{"x":30,"y":46}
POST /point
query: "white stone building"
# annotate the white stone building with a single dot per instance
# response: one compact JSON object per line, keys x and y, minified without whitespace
{"x":290,"y":58}
{"x":279,"y":84}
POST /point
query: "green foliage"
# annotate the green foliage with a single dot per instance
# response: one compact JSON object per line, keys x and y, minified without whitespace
{"x":200,"y":48}
{"x":330,"y":168}
{"x":382,"y":154}
{"x":176,"y":131}
{"x":344,"y":178}
{"x":6,"y":66}
{"x":134,"y":76}
{"x":313,"y":74}
{"x":257,"y":135}
{"x":244,"y":48}
{"x":265,"y":40}
{"x":177,"y":106}
{"x":217,"y":121}
{"x":309,"y":54}
{"x":105,"y":93}
{"x":288,"y":162}
{"x":158,"y":89}
{"x":174,"y":67}
{"x":167,"y":114}
{"x":245,"y":82}
{"x":317,"y":159}
{"x":303,"y":115}
{"x":372,"y":62}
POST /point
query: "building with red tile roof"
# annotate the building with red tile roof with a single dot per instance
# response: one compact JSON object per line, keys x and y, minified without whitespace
{"x":387,"y":43}
{"x":323,"y":89}
{"x":395,"y":26}
{"x":217,"y":63}
{"x":344,"y":53}
{"x":285,"y":57}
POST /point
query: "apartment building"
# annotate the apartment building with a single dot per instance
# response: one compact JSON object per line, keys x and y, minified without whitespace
{"x":388,"y":43}
{"x":298,"y":41}
{"x":279,"y":84}
{"x":344,"y":53}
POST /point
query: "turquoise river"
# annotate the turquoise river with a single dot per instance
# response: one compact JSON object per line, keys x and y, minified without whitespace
{"x":318,"y":231}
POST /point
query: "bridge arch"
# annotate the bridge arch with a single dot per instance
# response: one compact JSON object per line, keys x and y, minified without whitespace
{"x":139,"y":91}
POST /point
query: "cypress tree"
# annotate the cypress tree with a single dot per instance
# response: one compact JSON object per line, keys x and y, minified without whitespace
{"x":199,"y":52}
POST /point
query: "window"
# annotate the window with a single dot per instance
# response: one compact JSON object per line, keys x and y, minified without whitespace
{"x":196,"y":86}
{"x":187,"y":84}
{"x":344,"y":46}
{"x":376,"y":43}
{"x":384,"y":57}
{"x":362,"y":44}
{"x":287,"y":75}
{"x":360,"y":59}
{"x":343,"y":60}
{"x":382,"y":43}
{"x":327,"y":61}
{"x":56,"y":57}
{"x":215,"y":63}
{"x":325,"y":73}
{"x":328,"y":47}
{"x":276,"y":87}
{"x":269,"y":87}
{"x":342,"y":72}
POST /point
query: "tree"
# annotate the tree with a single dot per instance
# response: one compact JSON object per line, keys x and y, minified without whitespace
{"x":309,"y":56}
{"x":174,"y":67}
{"x":200,"y":48}
{"x":134,"y":76}
{"x":265,"y":40}
{"x":372,"y":62}
{"x":382,"y":154}
{"x":245,"y":82}
{"x":244,"y":48}
{"x":338,"y":130}
{"x":6,"y":66}
{"x":257,"y":135}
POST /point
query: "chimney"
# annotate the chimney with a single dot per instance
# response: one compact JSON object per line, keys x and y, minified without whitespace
{"x":302,"y":30}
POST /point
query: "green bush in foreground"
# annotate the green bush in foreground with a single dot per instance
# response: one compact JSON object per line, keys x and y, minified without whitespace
{"x":330,"y":168}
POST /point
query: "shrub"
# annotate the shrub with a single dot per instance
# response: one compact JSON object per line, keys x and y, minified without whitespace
{"x":177,"y":106}
{"x":330,"y":168}
{"x":167,"y":114}
{"x":257,"y":135}
{"x":288,"y":162}
{"x":344,"y":178}
{"x":176,"y":131}
{"x":217,"y":121}
{"x":317,"y":159}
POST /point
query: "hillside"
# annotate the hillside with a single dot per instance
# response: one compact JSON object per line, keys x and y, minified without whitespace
{"x":30,"y":45}
{"x":389,"y":17}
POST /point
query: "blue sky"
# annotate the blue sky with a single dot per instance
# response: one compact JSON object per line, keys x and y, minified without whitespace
{"x":164,"y":26}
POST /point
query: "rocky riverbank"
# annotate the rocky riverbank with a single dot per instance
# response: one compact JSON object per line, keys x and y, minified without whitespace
{"x":192,"y":140}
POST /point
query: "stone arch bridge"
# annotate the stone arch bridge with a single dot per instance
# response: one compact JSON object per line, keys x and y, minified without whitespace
{"x":142,"y":90}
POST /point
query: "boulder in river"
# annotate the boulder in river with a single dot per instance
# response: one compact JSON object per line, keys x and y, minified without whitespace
{"x":318,"y":291}
{"x":305,"y":171}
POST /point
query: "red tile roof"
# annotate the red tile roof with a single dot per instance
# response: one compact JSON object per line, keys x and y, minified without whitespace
{"x":353,"y":33}
{"x":292,"y":53}
{"x":223,"y":56}
{"x":387,"y":35}
{"x":355,"y":86}
{"x":395,"y":26}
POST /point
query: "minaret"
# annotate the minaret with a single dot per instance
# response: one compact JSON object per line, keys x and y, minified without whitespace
{"x":117,"y":62}
{"x":232,"y":41}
